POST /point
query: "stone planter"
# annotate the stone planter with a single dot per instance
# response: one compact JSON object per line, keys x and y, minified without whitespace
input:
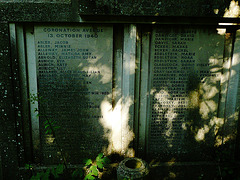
{"x":132,"y":168}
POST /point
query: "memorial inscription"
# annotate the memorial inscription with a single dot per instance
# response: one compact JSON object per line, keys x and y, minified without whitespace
{"x":184,"y":63}
{"x":74,"y":71}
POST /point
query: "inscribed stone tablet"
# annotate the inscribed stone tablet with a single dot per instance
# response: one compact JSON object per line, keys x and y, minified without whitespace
{"x":185,"y":82}
{"x":74,"y":71}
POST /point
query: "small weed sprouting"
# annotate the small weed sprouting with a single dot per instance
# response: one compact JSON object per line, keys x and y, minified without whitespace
{"x":91,"y":169}
{"x":49,"y":173}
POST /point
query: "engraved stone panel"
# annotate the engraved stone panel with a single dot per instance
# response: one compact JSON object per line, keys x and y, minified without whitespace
{"x":74,"y":70}
{"x":185,"y":72}
{"x":37,"y":1}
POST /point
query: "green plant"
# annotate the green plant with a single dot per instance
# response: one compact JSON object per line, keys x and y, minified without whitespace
{"x":49,"y":124}
{"x":77,"y":173}
{"x":28,"y":166}
{"x":55,"y":173}
{"x":93,"y":168}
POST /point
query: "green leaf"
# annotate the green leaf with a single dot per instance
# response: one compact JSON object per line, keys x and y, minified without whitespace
{"x":37,"y":177}
{"x":46,"y":126}
{"x":106,"y":161}
{"x":77,"y":173}
{"x":54,"y":173}
{"x":99,"y":157}
{"x":99,"y":165}
{"x":49,"y":131}
{"x":56,"y":127}
{"x":94,"y":171}
{"x":103,"y":160}
{"x":52,"y":122}
{"x":41,"y":175}
{"x":48,"y":121}
{"x":28,"y":166}
{"x":60,"y":169}
{"x":89,"y":177}
{"x":46,"y":175}
{"x":87,"y":162}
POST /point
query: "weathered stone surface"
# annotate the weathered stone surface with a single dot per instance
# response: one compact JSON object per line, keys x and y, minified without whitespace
{"x":36,"y":1}
{"x":186,"y":65}
{"x":8,"y":143}
{"x":34,"y":12}
{"x":74,"y":67}
{"x":159,"y":8}
{"x":56,"y":11}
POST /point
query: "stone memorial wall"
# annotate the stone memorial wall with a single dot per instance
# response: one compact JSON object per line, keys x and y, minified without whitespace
{"x":187,"y":111}
{"x":74,"y":74}
{"x":185,"y":71}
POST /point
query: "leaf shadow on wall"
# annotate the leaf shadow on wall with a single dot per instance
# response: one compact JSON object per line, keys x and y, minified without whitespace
{"x":206,"y":133}
{"x":68,"y":105}
{"x":196,"y":133}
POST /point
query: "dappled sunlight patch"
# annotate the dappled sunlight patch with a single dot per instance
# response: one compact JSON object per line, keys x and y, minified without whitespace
{"x":169,"y":112}
{"x":221,"y":31}
{"x":102,"y":70}
{"x":233,"y":72}
{"x":129,"y":66}
{"x":116,"y":128}
{"x":168,"y":107}
{"x":208,"y":91}
{"x":207,"y":107}
{"x":194,"y":99}
{"x":217,"y":123}
{"x":50,"y":139}
{"x":234,"y":116}
{"x":106,"y":75}
{"x":203,"y":106}
{"x":212,"y":91}
{"x":133,"y":33}
{"x":184,"y":126}
{"x":215,"y":70}
{"x":216,"y":11}
{"x":172,"y":161}
{"x":154,"y":163}
{"x":169,"y":129}
{"x":215,"y":63}
{"x":235,"y":56}
{"x":220,"y":140}
{"x":152,"y":91}
{"x":172,"y":175}
{"x":203,"y":103}
{"x":233,"y":11}
{"x":200,"y":136}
